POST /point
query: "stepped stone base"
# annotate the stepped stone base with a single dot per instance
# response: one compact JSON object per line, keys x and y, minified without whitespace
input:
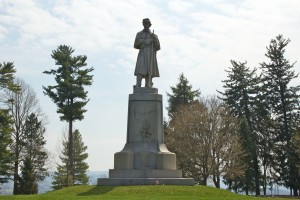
{"x":145,"y":159}
{"x":145,"y":181}
{"x":145,"y":177}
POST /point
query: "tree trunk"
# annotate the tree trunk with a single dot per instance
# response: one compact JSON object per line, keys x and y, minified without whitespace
{"x":256,"y":168}
{"x":216,"y":180}
{"x":265,"y":180}
{"x":71,"y":157}
{"x":16,"y":166}
{"x":235,"y":188}
{"x":230,"y":185}
{"x":204,"y":181}
{"x":295,"y":191}
{"x":16,"y":177}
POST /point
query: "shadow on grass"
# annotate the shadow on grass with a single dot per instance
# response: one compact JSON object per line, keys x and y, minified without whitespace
{"x":98,"y":190}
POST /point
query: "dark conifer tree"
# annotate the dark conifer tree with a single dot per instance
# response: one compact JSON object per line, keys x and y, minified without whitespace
{"x":69,"y":94}
{"x":283,"y":101}
{"x":181,"y":94}
{"x":5,"y":140}
{"x":247,"y":183}
{"x":241,"y":88}
{"x":61,"y":178}
{"x":28,"y":179}
{"x":34,"y":156}
{"x":264,"y":131}
{"x":7,"y":71}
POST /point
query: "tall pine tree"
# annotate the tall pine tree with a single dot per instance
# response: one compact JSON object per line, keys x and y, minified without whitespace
{"x":69,"y":94}
{"x":34,"y":156}
{"x":61,"y":178}
{"x":239,"y":95}
{"x":264,"y":131}
{"x":283,"y":101}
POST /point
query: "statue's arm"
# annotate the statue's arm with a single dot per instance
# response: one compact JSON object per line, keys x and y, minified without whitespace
{"x":156,"y":43}
{"x":137,"y":42}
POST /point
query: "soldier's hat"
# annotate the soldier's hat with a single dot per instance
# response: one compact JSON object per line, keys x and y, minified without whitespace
{"x":146,"y":20}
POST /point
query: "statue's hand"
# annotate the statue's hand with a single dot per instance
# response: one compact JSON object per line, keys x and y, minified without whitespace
{"x":153,"y":35}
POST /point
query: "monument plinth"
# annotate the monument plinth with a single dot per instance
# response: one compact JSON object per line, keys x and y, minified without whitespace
{"x":145,"y":159}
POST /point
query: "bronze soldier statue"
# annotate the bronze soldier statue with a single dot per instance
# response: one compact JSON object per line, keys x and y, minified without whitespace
{"x":146,"y":64}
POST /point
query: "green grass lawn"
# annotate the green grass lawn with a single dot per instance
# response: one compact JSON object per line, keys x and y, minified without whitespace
{"x":137,"y":192}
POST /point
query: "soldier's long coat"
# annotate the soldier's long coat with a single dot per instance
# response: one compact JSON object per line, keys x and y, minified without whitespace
{"x":148,"y":44}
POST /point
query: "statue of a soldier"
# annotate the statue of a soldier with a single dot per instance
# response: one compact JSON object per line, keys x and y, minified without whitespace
{"x":146,"y":64}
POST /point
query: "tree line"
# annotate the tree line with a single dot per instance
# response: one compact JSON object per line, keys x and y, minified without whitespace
{"x":249,"y":134}
{"x":23,"y":155}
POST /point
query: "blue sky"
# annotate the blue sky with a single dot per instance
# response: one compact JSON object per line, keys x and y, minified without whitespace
{"x":197,"y":38}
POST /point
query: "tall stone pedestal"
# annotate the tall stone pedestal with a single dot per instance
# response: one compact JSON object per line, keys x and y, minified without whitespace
{"x":145,"y":159}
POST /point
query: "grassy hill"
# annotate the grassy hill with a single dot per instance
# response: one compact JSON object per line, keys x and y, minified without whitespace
{"x":137,"y":192}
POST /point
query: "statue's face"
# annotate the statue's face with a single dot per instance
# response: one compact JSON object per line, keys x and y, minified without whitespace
{"x":147,"y":24}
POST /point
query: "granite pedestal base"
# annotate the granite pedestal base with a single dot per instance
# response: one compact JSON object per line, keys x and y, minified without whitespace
{"x":145,"y":159}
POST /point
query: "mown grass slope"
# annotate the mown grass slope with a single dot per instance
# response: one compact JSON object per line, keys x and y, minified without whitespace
{"x":160,"y":192}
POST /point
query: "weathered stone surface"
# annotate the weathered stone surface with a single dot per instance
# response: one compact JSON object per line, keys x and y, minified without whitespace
{"x":145,"y":158}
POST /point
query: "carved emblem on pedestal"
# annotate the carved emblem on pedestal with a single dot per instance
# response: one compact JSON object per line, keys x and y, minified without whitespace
{"x":146,"y":130}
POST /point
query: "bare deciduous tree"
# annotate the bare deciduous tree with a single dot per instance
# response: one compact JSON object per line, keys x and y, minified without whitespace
{"x":204,"y":137}
{"x":20,"y":104}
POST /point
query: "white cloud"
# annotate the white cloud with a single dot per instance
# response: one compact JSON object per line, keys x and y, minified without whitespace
{"x":180,"y":6}
{"x":2,"y":32}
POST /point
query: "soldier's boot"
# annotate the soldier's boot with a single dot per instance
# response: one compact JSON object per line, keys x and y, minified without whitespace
{"x":138,"y":81}
{"x":148,"y":81}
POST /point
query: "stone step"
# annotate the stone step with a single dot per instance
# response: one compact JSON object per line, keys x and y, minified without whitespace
{"x":145,"y":181}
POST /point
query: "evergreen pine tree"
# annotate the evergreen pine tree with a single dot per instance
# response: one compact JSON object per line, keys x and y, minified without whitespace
{"x":264,"y":131}
{"x":61,"y":178}
{"x":5,"y":140}
{"x":248,"y":182}
{"x":69,"y":94}
{"x":182,"y":94}
{"x":28,"y":179}
{"x":283,"y":101}
{"x":34,"y":156}
{"x":7,"y":72}
{"x":241,"y":88}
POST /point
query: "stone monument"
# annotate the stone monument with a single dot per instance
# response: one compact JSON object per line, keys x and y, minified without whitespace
{"x":145,"y":159}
